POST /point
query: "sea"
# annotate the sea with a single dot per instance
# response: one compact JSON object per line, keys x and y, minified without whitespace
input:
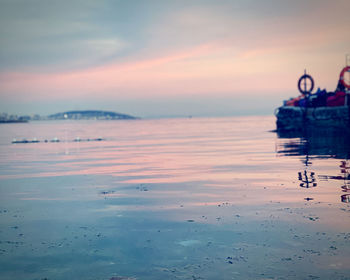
{"x":186,"y":198}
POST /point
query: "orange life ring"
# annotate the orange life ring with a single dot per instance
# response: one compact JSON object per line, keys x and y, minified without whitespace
{"x":342,"y":80}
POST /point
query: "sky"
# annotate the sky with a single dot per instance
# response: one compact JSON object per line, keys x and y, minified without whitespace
{"x":167,"y":58}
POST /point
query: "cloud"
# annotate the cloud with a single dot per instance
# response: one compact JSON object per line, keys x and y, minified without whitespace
{"x":115,"y":50}
{"x":46,"y":35}
{"x":50,"y":35}
{"x":200,"y":71}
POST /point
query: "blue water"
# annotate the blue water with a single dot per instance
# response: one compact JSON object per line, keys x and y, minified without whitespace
{"x":218,"y":198}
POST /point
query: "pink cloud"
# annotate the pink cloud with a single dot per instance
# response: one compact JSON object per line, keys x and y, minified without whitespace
{"x":131,"y":76}
{"x":224,"y":66}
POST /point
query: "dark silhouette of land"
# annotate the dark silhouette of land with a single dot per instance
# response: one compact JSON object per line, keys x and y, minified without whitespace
{"x":68,"y":115}
{"x":90,"y":115}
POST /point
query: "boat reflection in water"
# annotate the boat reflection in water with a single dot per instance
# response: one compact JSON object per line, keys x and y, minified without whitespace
{"x":316,"y":145}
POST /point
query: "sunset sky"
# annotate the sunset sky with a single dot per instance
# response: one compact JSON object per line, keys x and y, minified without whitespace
{"x":160,"y":58}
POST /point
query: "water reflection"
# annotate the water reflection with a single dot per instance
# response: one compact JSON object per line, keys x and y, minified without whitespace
{"x":171,"y":199}
{"x":307,"y":181}
{"x":316,"y":145}
{"x":344,"y":177}
{"x":345,"y":168}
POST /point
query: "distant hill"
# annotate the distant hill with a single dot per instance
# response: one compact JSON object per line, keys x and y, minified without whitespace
{"x":90,"y":115}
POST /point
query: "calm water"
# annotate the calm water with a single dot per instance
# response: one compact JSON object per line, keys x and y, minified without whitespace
{"x":219,"y":198}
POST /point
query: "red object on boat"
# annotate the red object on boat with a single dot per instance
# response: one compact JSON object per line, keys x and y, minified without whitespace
{"x":293,"y":102}
{"x":342,"y":78}
{"x":336,"y":100}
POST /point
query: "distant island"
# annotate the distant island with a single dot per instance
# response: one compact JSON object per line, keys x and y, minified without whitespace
{"x":69,"y":115}
{"x":12,"y":121}
{"x":90,"y":115}
{"x":6,"y":118}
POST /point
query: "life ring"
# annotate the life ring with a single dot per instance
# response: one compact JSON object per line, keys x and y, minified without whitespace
{"x":302,"y":78}
{"x":342,"y":79}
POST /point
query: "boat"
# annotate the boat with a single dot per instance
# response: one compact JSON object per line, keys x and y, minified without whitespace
{"x":320,"y":109}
